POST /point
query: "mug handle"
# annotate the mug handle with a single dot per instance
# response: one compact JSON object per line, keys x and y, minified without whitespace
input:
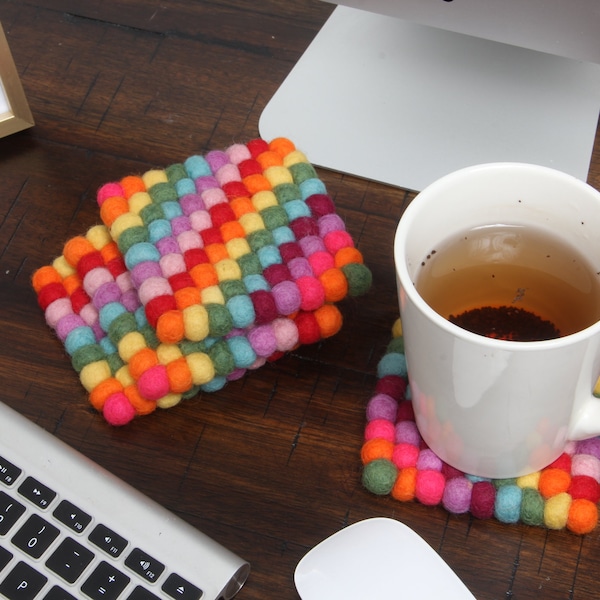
{"x":586,"y":423}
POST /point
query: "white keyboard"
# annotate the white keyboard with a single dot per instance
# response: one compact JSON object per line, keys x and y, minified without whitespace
{"x":71,"y":530}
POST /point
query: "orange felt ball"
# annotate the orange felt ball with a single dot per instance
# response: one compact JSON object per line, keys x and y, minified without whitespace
{"x":44,"y":276}
{"x":269,"y":159}
{"x":132,"y":184}
{"x":335,"y":285}
{"x":110,"y":252}
{"x":76,"y":248}
{"x":583,"y":516}
{"x":256,"y":183}
{"x":282,"y":146}
{"x":242,"y":206}
{"x":103,"y":390}
{"x":329,"y":319}
{"x":113,"y":207}
{"x":376,"y":448}
{"x":141,"y":361}
{"x":170,"y":327}
{"x":406,"y":485}
{"x":553,"y":482}
{"x":179,"y":375}
{"x":142,"y":405}
{"x":186,"y":297}
{"x":348,"y":255}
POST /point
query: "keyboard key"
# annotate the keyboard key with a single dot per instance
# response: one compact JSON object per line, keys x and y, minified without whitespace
{"x":144,"y":565}
{"x":8,"y":472}
{"x":22,"y":583}
{"x":105,"y":583}
{"x":10,"y":511}
{"x":57,"y":593}
{"x":71,"y":516}
{"x":35,"y":536}
{"x":36,"y":492}
{"x":5,"y":557}
{"x":109,"y":541}
{"x":141,"y":593}
{"x":69,"y":560}
{"x":178,"y":587}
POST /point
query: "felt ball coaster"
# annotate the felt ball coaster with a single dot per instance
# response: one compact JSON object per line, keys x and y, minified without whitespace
{"x":397,"y":462}
{"x":198,"y":273}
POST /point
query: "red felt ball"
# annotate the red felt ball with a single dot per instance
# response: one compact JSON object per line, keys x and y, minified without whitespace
{"x":584,"y":486}
{"x":483,"y":498}
{"x":392,"y":385}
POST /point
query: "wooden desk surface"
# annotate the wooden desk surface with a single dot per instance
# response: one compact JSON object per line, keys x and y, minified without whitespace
{"x":270,"y":465}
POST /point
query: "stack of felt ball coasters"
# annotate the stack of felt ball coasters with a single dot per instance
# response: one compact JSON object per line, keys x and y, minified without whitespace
{"x":397,"y":462}
{"x":200,"y":272}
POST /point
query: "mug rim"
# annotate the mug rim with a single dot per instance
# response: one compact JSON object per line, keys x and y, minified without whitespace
{"x":410,"y":289}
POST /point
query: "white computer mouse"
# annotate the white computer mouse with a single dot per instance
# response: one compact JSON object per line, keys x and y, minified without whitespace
{"x":374,"y":559}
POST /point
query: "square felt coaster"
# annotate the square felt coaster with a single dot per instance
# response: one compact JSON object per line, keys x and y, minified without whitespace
{"x":199,"y":272}
{"x":397,"y":462}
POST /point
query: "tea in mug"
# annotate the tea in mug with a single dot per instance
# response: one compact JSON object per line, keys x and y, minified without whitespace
{"x":511,"y":282}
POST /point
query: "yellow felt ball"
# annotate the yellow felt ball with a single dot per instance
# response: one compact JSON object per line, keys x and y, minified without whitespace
{"x":167,"y":353}
{"x":251,"y":222}
{"x":169,"y":400}
{"x":130,"y":344}
{"x":153,"y":177}
{"x":201,"y":367}
{"x":123,"y":223}
{"x":277,"y":176}
{"x":237,"y":248}
{"x":556,"y":511}
{"x":212,"y":295}
{"x":94,"y":374}
{"x":195,"y":322}
{"x":123,"y":376}
{"x":529,"y":481}
{"x":264,"y":199}
{"x":64,"y":269}
{"x":294,"y":158}
{"x":138,"y":201}
{"x":99,"y":236}
{"x":397,"y":328}
{"x":228,"y":269}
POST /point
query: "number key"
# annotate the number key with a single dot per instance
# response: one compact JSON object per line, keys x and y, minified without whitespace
{"x":35,"y":536}
{"x":10,"y":511}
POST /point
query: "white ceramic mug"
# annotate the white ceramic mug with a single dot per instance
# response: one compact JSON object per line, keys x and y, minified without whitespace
{"x":492,"y":407}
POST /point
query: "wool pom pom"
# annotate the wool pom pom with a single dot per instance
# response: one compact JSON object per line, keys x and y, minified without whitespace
{"x":405,"y":455}
{"x":429,"y":461}
{"x":556,"y":511}
{"x":457,"y":495}
{"x":382,"y":406}
{"x":508,"y":503}
{"x":553,"y":482}
{"x":483,"y":498}
{"x":582,"y":517}
{"x":583,"y":486}
{"x":117,"y":410}
{"x":392,"y":364}
{"x":380,"y":428}
{"x":532,"y":507}
{"x":376,"y":448}
{"x":359,"y":278}
{"x":286,"y":334}
{"x":429,"y":487}
{"x":379,"y":476}
{"x":407,"y":432}
{"x":586,"y":464}
{"x":154,"y":383}
{"x":392,"y":385}
{"x":329,"y":320}
{"x":590,"y":446}
{"x":406,"y":483}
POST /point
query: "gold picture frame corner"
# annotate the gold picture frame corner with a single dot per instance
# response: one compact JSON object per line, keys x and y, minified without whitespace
{"x":15,"y":114}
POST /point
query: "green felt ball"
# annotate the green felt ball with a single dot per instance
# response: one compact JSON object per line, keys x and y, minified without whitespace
{"x":532,"y":507}
{"x":379,"y":476}
{"x":359,"y":278}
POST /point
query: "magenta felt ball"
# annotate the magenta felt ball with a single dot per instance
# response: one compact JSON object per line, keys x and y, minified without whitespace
{"x":380,"y":428}
{"x":406,"y":431}
{"x":457,"y":495}
{"x":483,"y":498}
{"x":117,"y":409}
{"x":382,"y":406}
{"x":430,"y":487}
{"x":392,"y":385}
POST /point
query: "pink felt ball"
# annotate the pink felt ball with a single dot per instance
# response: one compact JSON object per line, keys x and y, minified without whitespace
{"x":117,"y":409}
{"x":405,"y":455}
{"x":428,"y":460}
{"x":379,"y":428}
{"x":406,"y":431}
{"x":430,"y":487}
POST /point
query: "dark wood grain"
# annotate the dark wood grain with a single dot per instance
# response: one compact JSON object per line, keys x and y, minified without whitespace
{"x":270,"y":465}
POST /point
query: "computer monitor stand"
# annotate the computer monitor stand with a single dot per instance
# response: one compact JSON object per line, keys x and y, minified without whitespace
{"x":404,"y":104}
